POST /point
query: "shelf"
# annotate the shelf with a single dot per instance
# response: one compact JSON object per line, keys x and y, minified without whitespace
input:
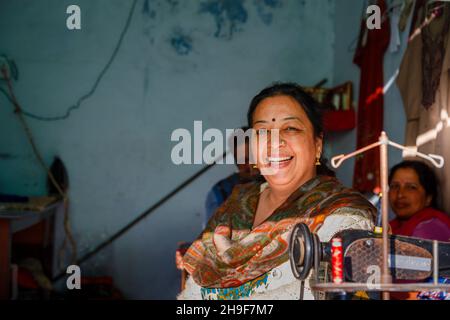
{"x":342,"y":120}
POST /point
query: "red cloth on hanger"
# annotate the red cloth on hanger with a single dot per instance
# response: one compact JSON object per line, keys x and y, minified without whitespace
{"x":369,"y":55}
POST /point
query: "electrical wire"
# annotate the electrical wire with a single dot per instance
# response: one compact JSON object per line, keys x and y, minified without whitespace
{"x":6,"y":95}
{"x":86,"y":96}
{"x":18,"y":111}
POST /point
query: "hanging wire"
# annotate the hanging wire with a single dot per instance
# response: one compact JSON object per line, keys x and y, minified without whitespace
{"x":86,"y":96}
{"x":18,"y":111}
{"x":6,"y":95}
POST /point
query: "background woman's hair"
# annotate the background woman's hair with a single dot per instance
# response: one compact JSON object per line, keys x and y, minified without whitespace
{"x":426,"y":176}
{"x":309,"y":105}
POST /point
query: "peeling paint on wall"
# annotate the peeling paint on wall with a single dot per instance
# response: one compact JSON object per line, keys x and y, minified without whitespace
{"x":181,"y":43}
{"x":173,"y":3}
{"x":229,"y":15}
{"x":148,"y":9}
{"x":151,"y":6}
{"x":262,"y":6}
{"x":229,"y":18}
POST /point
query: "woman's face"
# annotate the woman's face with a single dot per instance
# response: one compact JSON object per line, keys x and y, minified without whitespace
{"x":292,"y":158}
{"x":406,"y":195}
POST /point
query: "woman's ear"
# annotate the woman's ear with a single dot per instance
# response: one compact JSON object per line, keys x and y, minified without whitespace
{"x":319,"y":143}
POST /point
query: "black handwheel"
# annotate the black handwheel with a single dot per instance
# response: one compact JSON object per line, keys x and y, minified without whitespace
{"x":301,"y":247}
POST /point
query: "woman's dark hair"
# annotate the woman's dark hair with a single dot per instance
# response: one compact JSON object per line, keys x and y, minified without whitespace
{"x":427,"y":178}
{"x":309,"y":105}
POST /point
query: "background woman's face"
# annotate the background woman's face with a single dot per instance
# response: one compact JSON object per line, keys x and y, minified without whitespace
{"x":294,"y":160}
{"x":406,"y":195}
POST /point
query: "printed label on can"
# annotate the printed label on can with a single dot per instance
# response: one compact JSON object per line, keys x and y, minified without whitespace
{"x":337,"y":265}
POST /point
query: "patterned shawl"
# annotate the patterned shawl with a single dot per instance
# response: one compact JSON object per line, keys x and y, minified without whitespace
{"x":229,"y":252}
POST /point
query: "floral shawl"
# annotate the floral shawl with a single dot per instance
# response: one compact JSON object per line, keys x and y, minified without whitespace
{"x":229,"y":252}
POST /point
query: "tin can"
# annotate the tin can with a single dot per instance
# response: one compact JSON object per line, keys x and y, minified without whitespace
{"x":337,"y":263}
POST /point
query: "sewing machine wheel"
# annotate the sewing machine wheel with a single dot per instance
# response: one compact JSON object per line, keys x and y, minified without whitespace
{"x":301,"y":251}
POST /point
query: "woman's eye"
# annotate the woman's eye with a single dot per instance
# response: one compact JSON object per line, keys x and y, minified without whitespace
{"x":291,"y":129}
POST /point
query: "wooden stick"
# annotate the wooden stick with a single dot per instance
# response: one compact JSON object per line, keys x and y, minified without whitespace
{"x":385,"y":272}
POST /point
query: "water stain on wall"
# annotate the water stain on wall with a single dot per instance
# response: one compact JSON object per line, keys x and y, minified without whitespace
{"x":7,"y":156}
{"x":173,"y":3}
{"x":264,"y":9}
{"x":148,"y":9}
{"x":151,"y":6}
{"x":228,"y":15}
{"x":181,"y":42}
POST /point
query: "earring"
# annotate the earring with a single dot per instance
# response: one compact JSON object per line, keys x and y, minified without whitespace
{"x":254,"y":166}
{"x":318,"y":161}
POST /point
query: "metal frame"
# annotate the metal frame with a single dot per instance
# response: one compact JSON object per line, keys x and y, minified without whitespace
{"x":386,"y":284}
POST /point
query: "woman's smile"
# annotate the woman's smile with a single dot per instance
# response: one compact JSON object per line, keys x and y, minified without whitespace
{"x":279,"y":162}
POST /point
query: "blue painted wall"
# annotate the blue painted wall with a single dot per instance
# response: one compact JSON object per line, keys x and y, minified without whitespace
{"x":180,"y":61}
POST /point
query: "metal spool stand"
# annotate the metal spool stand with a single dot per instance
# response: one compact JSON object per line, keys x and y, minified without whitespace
{"x":386,"y":284}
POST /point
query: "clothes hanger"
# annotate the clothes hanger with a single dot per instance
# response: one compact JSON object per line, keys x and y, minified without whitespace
{"x":408,"y":151}
{"x":432,"y":5}
{"x":383,"y":143}
{"x":352,"y":46}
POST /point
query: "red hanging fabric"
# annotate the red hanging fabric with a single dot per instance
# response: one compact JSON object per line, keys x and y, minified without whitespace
{"x":369,"y":55}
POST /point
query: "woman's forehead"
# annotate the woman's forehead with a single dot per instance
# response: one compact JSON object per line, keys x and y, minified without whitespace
{"x":405,"y":174}
{"x":279,"y":108}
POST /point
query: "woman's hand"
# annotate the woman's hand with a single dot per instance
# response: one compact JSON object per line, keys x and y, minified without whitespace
{"x":179,"y":260}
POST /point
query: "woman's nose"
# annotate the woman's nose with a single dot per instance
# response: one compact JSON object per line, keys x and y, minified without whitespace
{"x":275,"y":140}
{"x":277,"y":143}
{"x":400,"y":192}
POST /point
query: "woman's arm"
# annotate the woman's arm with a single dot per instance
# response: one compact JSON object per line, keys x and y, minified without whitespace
{"x":432,"y":229}
{"x":343,"y":219}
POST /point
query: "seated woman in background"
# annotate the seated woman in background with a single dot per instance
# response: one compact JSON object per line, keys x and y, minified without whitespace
{"x":246,"y":173}
{"x":413,"y":195}
{"x":243,"y":252}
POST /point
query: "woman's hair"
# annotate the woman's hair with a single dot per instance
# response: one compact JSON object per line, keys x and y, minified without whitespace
{"x":309,"y":105}
{"x":427,"y":178}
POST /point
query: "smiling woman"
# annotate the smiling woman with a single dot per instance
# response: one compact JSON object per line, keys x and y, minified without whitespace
{"x":243,"y":252}
{"x":292,"y":158}
{"x":412,"y":194}
{"x":413,"y":190}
